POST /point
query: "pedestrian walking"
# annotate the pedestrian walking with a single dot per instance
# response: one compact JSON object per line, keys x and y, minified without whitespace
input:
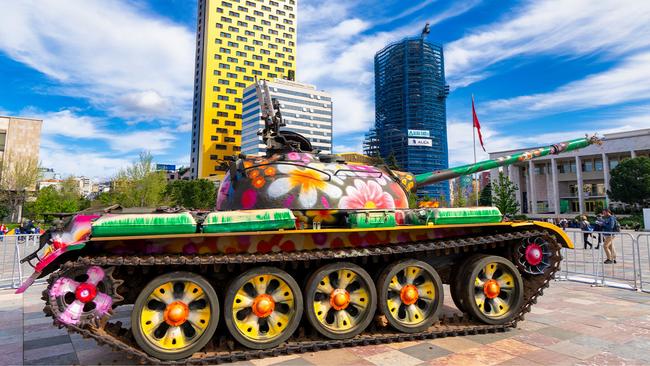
{"x":610,"y":225}
{"x":586,"y":232}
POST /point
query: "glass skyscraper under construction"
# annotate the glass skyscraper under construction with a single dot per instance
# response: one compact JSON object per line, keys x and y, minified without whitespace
{"x":410,"y":106}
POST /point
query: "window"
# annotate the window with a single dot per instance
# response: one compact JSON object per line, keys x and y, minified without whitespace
{"x":231,"y":123}
{"x":222,"y":114}
{"x":233,"y":44}
{"x":236,"y":132}
{"x":224,"y":82}
{"x":242,"y":39}
{"x":249,"y":63}
{"x":613,"y":163}
{"x":230,"y":107}
{"x":224,"y":66}
{"x":232,"y":59}
{"x":214,"y":157}
{"x":241,"y":54}
{"x":587,"y":166}
{"x":229,"y":139}
{"x":220,"y":147}
{"x":3,"y":140}
{"x":231,"y":91}
{"x":222,"y":97}
{"x":214,"y":138}
{"x":598,"y":165}
{"x":231,"y":75}
{"x":222,"y":130}
{"x":215,"y":121}
{"x":240,"y":85}
{"x":225,"y":35}
{"x":240,"y":69}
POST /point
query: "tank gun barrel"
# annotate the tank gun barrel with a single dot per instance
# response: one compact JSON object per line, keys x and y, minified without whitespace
{"x":428,"y":178}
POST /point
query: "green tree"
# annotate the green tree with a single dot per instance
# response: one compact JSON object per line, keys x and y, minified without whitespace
{"x":194,"y":194}
{"x":504,"y":195}
{"x":391,"y":161}
{"x":17,"y":182}
{"x":630,"y":181}
{"x":485,"y":199}
{"x":139,"y":185}
{"x":65,"y":198}
{"x":460,"y":200}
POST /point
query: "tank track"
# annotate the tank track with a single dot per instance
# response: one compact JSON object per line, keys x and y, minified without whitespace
{"x":223,"y":350}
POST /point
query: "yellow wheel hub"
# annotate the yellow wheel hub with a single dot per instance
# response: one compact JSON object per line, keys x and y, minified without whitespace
{"x":494,"y":288}
{"x":405,"y":289}
{"x":175,"y":315}
{"x":263,"y":307}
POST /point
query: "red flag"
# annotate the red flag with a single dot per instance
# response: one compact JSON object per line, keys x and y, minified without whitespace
{"x":477,"y":125}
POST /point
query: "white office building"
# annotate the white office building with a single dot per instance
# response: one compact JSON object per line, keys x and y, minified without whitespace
{"x":304,"y":109}
{"x":573,"y":182}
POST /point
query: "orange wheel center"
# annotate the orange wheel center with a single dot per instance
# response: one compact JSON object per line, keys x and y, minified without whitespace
{"x":176,"y":313}
{"x":339,"y":299}
{"x":263,"y":305}
{"x":409,"y":294}
{"x":491,"y":289}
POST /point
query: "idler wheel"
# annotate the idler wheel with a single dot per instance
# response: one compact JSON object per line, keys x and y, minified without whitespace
{"x":263,"y":307}
{"x":493,"y":289}
{"x":175,"y":315}
{"x":410,"y":295}
{"x":340,"y":300}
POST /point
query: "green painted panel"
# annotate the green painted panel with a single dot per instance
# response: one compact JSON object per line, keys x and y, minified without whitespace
{"x":144,"y":224}
{"x":252,"y":220}
{"x":470,"y":215}
{"x":372,"y":219}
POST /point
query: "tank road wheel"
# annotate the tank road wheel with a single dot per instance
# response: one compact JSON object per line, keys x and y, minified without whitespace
{"x":263,"y":307}
{"x":80,"y":296}
{"x":493,"y":289}
{"x":175,"y":315}
{"x":533,"y":255}
{"x":457,"y":284}
{"x":410,"y":295}
{"x":340,"y":300}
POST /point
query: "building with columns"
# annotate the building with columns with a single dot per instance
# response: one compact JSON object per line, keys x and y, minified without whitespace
{"x":573,"y":182}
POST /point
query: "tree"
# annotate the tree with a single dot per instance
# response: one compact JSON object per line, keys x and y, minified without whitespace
{"x":504,"y":195}
{"x":65,"y":198}
{"x":194,"y":194}
{"x":485,"y":199}
{"x":17,"y":180}
{"x":460,"y":200}
{"x":630,"y":181}
{"x":391,"y":161}
{"x":139,"y":185}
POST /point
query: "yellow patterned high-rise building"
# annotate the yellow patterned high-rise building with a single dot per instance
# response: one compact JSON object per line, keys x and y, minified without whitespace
{"x":237,"y":40}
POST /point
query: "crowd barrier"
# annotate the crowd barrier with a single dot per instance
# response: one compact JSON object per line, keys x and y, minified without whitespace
{"x":12,"y":249}
{"x":586,"y":263}
{"x":631,"y":270}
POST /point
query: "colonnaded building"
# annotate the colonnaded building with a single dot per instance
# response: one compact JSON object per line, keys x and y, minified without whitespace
{"x":574,"y":182}
{"x":237,"y":40}
{"x":305,"y":110}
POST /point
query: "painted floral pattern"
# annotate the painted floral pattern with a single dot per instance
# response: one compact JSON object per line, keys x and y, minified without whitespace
{"x":366,"y":195}
{"x":301,"y":181}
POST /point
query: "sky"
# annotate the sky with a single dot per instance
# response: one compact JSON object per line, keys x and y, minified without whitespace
{"x":113,"y":78}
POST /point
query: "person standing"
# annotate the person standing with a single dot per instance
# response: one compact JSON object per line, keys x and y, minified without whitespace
{"x":610,"y":225}
{"x":586,"y":231}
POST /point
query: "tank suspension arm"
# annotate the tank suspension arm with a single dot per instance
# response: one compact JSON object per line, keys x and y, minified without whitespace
{"x":425,"y":179}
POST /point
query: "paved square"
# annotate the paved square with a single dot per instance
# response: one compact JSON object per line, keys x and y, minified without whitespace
{"x":572,"y":324}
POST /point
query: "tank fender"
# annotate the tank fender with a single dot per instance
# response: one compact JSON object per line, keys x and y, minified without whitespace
{"x":563,"y":238}
{"x":47,"y":264}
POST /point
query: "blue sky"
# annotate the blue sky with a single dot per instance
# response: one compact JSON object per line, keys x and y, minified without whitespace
{"x":111,"y":78}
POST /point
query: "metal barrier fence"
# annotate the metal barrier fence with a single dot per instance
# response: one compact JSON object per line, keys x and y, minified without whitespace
{"x":586,"y":263}
{"x":643,"y":246}
{"x":12,"y":249}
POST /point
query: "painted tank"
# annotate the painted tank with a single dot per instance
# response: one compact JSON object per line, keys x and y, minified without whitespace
{"x":305,"y":252}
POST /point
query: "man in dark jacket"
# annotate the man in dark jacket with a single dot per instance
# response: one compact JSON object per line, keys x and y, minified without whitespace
{"x":609,"y":226}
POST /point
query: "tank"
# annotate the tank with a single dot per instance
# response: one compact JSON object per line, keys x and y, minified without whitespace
{"x":305,"y":252}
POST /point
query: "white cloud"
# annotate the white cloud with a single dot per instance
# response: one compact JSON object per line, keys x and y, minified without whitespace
{"x":570,"y":27}
{"x":118,"y":55}
{"x":87,"y":162}
{"x":353,"y":111}
{"x":623,"y":83}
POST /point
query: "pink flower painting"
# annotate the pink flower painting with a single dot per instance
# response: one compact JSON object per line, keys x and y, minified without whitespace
{"x":366,"y":195}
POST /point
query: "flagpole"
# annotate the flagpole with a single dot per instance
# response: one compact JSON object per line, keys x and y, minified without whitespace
{"x":474,"y":146}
